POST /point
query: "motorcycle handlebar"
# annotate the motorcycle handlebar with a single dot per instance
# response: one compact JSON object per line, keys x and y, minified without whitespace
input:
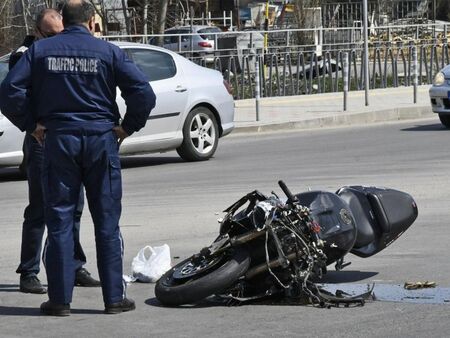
{"x":290,"y":196}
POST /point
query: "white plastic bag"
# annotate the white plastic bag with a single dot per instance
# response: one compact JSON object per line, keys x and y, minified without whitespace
{"x":151,"y":263}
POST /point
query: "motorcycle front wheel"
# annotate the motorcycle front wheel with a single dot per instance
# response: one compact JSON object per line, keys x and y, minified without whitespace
{"x":195,"y":279}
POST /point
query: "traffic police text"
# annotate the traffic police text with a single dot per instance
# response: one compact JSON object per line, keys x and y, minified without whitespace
{"x":72,"y":64}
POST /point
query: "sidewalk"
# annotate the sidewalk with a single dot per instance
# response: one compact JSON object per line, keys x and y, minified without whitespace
{"x":326,"y":110}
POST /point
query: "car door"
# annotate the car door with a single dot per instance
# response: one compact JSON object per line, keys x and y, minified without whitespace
{"x":169,"y":85}
{"x":11,"y":138}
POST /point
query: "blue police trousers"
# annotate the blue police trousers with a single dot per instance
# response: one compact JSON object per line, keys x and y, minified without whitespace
{"x":34,"y":225}
{"x":71,"y":159}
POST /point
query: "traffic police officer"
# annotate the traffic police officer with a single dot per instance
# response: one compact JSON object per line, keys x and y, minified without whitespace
{"x":68,"y":83}
{"x":48,"y":23}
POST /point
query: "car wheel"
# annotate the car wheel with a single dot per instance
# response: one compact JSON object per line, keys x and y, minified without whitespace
{"x":445,"y":120}
{"x":200,"y":135}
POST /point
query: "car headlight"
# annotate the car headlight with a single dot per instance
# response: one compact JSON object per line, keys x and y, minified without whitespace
{"x":439,"y":79}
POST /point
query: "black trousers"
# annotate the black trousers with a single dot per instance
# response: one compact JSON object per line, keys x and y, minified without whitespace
{"x":34,"y":224}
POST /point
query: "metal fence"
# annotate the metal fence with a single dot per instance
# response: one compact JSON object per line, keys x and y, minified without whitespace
{"x":299,"y":73}
{"x":329,"y":38}
{"x":350,"y":13}
{"x":298,"y":62}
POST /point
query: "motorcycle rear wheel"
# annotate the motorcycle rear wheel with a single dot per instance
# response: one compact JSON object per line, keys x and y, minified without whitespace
{"x":197,"y":286}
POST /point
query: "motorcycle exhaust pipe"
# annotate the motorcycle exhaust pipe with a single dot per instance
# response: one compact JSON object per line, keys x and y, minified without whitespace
{"x":274,"y":263}
{"x":241,"y":239}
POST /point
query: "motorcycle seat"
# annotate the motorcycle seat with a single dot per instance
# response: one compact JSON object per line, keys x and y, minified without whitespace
{"x":381,"y":216}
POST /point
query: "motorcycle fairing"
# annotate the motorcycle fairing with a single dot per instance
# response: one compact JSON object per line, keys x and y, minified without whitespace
{"x":251,"y":198}
{"x":337,"y":225}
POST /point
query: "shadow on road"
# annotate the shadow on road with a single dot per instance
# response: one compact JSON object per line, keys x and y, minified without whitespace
{"x":9,"y":287}
{"x":427,"y":127}
{"x":86,"y":311}
{"x":11,"y":174}
{"x":346,"y":276}
{"x":203,"y":304}
{"x":146,"y":161}
{"x":35,"y":311}
{"x":19,"y":311}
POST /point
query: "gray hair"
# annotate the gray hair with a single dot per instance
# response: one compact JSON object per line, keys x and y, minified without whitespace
{"x":41,"y":15}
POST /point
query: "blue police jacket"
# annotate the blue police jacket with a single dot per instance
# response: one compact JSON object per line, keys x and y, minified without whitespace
{"x":69,"y":82}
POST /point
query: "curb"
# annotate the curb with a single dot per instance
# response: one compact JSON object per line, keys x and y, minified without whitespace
{"x":396,"y":114}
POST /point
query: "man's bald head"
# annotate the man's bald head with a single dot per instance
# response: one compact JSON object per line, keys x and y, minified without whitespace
{"x":48,"y":23}
{"x":76,"y":12}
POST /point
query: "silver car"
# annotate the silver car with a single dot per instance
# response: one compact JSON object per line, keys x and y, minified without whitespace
{"x":440,"y":96}
{"x":194,"y":108}
{"x":180,"y":39}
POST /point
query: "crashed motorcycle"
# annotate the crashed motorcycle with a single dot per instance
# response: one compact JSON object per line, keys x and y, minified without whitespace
{"x":268,"y":245}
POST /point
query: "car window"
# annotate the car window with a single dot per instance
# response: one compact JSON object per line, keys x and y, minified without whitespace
{"x":176,"y":38}
{"x":203,"y":32}
{"x":185,"y":38}
{"x":155,"y":40}
{"x":155,"y":64}
{"x":3,"y":70}
{"x":168,"y":39}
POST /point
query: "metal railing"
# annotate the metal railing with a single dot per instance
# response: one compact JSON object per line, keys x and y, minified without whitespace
{"x":329,"y":37}
{"x":226,"y":19}
{"x":292,"y":64}
{"x":299,"y":73}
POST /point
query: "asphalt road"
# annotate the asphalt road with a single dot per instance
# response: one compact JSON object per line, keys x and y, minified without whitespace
{"x":170,"y":201}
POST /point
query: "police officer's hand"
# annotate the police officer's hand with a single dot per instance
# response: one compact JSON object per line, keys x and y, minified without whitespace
{"x":39,"y":133}
{"x":120,"y":133}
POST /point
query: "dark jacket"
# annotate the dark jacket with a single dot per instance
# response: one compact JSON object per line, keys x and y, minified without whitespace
{"x":68,"y":82}
{"x":17,"y":54}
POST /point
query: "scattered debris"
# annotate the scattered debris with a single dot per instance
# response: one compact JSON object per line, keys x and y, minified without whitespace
{"x":151,"y":263}
{"x":419,"y":285}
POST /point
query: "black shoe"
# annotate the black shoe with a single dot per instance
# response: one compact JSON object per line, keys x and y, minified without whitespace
{"x":83,"y":278}
{"x":31,"y":284}
{"x":123,"y":306}
{"x":53,"y":309}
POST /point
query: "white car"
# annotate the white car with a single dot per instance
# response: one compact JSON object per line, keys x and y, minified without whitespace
{"x":194,"y":108}
{"x":440,"y":95}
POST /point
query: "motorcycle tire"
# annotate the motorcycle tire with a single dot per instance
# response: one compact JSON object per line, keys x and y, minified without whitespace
{"x":170,"y":292}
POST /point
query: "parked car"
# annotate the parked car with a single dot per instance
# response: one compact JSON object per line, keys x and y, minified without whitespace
{"x":194,"y":108}
{"x":202,"y":38}
{"x":440,"y":95}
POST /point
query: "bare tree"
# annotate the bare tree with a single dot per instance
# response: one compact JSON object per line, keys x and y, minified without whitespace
{"x":100,"y":9}
{"x":162,"y":16}
{"x":24,"y":16}
{"x":12,"y":28}
{"x":17,"y":20}
{"x":301,"y":17}
{"x":126,"y":16}
{"x":300,"y":10}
